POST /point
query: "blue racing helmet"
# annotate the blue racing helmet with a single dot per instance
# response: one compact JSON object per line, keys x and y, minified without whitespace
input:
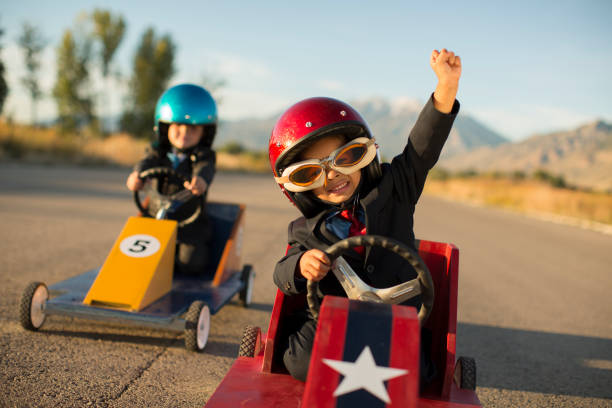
{"x":189,"y":104}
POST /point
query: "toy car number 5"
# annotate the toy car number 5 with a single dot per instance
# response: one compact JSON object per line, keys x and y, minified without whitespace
{"x":139,"y":245}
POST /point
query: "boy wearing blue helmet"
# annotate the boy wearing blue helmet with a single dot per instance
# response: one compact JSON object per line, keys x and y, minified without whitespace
{"x":185,"y":124}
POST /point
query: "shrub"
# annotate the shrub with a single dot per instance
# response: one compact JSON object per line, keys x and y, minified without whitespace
{"x":438,"y":173}
{"x":546,"y":177}
{"x":233,"y":148}
{"x":469,"y":173}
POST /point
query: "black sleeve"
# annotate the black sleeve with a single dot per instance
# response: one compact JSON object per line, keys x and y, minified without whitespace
{"x":152,"y":159}
{"x":285,"y":272}
{"x":205,"y":165}
{"x":427,"y":137}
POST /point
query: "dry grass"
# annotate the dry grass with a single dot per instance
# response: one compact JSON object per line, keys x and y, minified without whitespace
{"x":24,"y":142}
{"x":46,"y":145}
{"x":525,"y":196}
{"x":245,"y":162}
{"x":118,"y":148}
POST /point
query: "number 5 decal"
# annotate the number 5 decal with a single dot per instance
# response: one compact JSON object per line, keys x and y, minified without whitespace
{"x":139,"y":246}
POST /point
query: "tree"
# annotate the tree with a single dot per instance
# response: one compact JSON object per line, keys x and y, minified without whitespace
{"x":109,"y":31}
{"x":3,"y":85}
{"x":153,"y":68}
{"x":74,"y":103}
{"x":32,"y":44}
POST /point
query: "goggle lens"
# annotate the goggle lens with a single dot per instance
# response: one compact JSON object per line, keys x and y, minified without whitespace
{"x":305,"y":175}
{"x":350,"y":155}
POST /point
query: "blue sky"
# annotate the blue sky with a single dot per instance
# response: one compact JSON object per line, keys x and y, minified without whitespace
{"x":528,"y":66}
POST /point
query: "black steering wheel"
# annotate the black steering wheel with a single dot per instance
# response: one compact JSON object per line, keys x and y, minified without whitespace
{"x":159,"y":205}
{"x":355,"y":288}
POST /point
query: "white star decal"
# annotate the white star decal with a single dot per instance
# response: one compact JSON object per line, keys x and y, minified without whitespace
{"x":364,"y":373}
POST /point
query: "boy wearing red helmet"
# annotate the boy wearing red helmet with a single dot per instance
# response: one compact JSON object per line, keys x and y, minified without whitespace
{"x":325,"y":160}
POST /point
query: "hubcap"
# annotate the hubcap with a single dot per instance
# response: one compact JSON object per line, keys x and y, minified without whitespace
{"x":37,"y":308}
{"x":203,"y":327}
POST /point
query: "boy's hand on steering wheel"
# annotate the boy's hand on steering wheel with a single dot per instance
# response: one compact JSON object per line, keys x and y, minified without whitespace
{"x":134,"y":183}
{"x":197,"y":185}
{"x":314,"y":265}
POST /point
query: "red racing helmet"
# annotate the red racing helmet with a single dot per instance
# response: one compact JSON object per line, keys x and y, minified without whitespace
{"x":304,"y":123}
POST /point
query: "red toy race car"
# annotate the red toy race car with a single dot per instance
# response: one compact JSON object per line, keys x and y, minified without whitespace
{"x":365,"y":354}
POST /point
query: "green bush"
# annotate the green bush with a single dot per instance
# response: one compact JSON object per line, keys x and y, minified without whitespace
{"x":469,"y":173}
{"x":546,"y":177}
{"x":438,"y":173}
{"x":496,"y":174}
{"x":233,"y":148}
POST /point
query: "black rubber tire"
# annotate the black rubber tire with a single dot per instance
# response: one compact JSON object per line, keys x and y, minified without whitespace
{"x":245,"y":295}
{"x":25,"y":306}
{"x":467,"y":373}
{"x":249,"y":341}
{"x":192,"y":317}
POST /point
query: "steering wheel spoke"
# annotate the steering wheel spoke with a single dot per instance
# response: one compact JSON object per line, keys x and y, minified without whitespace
{"x":400,"y":293}
{"x":350,"y":281}
{"x":182,"y":196}
{"x":355,"y":288}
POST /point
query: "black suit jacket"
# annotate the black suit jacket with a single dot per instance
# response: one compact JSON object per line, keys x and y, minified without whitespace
{"x":389,"y":209}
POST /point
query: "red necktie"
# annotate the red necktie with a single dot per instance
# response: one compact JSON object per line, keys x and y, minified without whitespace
{"x":356,"y":228}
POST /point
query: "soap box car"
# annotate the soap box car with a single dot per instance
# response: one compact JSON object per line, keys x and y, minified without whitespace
{"x":365,"y":354}
{"x":137,"y":285}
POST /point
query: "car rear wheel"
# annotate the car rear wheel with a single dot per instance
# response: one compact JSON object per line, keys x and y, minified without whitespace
{"x":32,"y":307}
{"x":197,"y":326}
{"x":248,"y":277}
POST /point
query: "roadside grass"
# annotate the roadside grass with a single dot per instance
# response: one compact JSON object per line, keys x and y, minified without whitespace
{"x":25,"y":142}
{"x":47,"y":145}
{"x":231,"y":158}
{"x":525,"y":195}
{"x":539,"y":192}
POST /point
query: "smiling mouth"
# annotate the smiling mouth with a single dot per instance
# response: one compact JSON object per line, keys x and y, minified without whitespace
{"x":339,"y":187}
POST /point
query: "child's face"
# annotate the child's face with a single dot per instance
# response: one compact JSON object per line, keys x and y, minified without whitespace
{"x":338,"y":187}
{"x":184,"y":136}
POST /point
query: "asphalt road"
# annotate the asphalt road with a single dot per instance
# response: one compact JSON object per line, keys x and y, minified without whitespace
{"x":534,"y":298}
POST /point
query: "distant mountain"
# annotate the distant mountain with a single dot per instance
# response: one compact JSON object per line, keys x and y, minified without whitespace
{"x":583,"y":156}
{"x":390,"y":121}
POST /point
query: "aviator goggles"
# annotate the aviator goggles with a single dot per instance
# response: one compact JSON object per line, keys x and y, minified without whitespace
{"x":310,"y":174}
